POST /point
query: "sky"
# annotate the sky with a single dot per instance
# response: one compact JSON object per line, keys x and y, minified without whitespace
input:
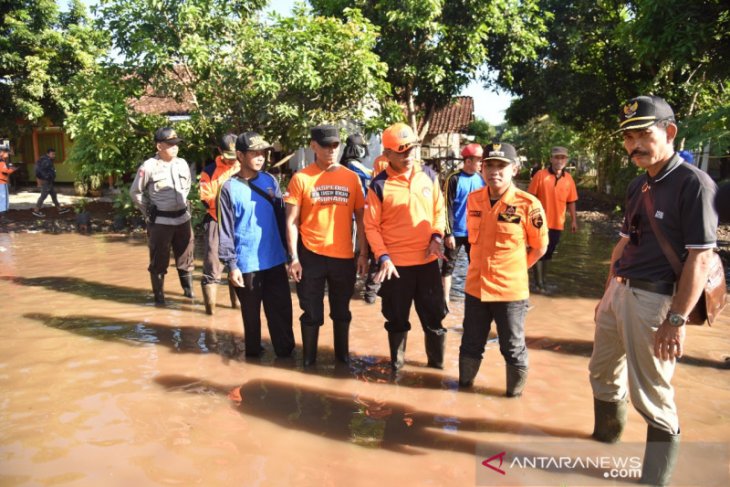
{"x":488,"y":105}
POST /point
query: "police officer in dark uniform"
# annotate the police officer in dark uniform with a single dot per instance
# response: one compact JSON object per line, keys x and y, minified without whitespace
{"x":640,"y":321}
{"x":160,"y":191}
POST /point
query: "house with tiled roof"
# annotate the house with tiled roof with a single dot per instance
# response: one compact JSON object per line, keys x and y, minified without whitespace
{"x":446,"y":132}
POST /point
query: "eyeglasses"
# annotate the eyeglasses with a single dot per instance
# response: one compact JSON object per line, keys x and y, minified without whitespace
{"x":404,"y":147}
{"x":635,"y":229}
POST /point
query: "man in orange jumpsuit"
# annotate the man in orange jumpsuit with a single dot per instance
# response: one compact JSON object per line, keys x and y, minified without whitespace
{"x":506,"y":230}
{"x":556,"y":190}
{"x":404,"y":222}
{"x":211,"y":181}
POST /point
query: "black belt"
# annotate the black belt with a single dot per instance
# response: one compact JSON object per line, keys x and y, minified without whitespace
{"x":659,"y":287}
{"x":172,"y":214}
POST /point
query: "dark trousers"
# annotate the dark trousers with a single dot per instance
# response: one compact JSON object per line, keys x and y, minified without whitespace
{"x":47,"y":187}
{"x":337,"y":274}
{"x":510,"y":319}
{"x":271,"y":287}
{"x":447,"y":268}
{"x":161,"y":237}
{"x":553,"y":239}
{"x":419,"y":284}
{"x":212,"y":267}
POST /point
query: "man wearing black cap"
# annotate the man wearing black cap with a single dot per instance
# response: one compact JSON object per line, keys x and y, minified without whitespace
{"x":160,"y":191}
{"x":211,"y":181}
{"x":320,"y":202}
{"x":502,"y":222}
{"x":252,"y":245}
{"x":640,"y":321}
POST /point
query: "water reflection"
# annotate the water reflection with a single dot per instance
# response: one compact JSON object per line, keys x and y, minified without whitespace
{"x":355,"y":418}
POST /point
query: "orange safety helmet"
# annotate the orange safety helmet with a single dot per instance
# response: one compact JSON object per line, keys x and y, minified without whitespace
{"x":399,"y":137}
{"x":472,"y":150}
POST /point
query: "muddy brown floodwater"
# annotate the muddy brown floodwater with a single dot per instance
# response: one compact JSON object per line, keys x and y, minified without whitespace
{"x":99,"y":387}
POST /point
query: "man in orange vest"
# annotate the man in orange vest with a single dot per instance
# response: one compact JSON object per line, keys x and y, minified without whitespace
{"x":404,"y":223}
{"x":556,"y":190}
{"x":506,"y":230}
{"x":211,"y":181}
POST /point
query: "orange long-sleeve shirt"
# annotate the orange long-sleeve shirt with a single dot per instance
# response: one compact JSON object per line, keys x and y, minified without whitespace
{"x":212,"y":179}
{"x":402,"y":213}
{"x":499,"y":236}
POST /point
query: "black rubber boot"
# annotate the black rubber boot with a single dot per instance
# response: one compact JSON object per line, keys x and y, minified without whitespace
{"x":516,"y":380}
{"x":233,"y":296}
{"x":310,"y":336}
{"x":660,"y":456}
{"x":468,"y":369}
{"x":186,"y":282}
{"x":538,"y":274}
{"x":342,"y":340}
{"x":397,"y":341}
{"x":435,"y":344}
{"x":609,"y":420}
{"x":209,"y":297}
{"x":158,"y":287}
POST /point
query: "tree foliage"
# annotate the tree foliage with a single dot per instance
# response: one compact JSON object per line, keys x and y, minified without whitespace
{"x":600,"y":53}
{"x":41,"y":50}
{"x":434,"y":48}
{"x":236,"y":70}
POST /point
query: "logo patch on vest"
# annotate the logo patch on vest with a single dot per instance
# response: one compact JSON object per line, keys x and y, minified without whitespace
{"x":476,"y":213}
{"x":659,"y":215}
{"x":509,"y":215}
{"x":536,"y":218}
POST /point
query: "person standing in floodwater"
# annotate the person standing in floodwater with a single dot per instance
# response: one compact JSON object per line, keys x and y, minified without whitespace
{"x":640,"y":321}
{"x":507,"y":234}
{"x":556,"y":190}
{"x":252,"y":244}
{"x":211,"y":180}
{"x":404,"y":224}
{"x":457,"y":188}
{"x":320,"y":203}
{"x":160,"y":191}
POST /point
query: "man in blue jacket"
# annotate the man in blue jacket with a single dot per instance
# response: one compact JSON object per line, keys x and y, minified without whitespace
{"x":252,"y":221}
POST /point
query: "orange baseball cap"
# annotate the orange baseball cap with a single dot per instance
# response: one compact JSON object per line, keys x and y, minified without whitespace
{"x":399,"y":137}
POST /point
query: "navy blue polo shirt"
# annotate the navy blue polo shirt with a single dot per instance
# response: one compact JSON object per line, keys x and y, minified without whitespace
{"x":684,"y":209}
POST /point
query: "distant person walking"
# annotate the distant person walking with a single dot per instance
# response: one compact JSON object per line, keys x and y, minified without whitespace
{"x":160,"y":191}
{"x":45,"y":173}
{"x":556,"y":190}
{"x":211,"y":180}
{"x":6,"y":169}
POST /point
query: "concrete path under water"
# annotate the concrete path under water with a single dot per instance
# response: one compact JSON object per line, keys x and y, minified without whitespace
{"x":99,"y":387}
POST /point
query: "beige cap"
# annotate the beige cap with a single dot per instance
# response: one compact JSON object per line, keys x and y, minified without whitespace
{"x":559,"y":151}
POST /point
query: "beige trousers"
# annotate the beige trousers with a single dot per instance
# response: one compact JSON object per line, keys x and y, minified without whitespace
{"x":623,"y":354}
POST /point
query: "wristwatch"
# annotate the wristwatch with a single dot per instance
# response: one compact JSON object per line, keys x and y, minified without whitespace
{"x":676,"y":319}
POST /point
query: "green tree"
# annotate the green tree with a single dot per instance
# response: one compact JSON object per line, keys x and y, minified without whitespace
{"x":434,"y":48}
{"x":483,"y":131}
{"x":41,"y":49}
